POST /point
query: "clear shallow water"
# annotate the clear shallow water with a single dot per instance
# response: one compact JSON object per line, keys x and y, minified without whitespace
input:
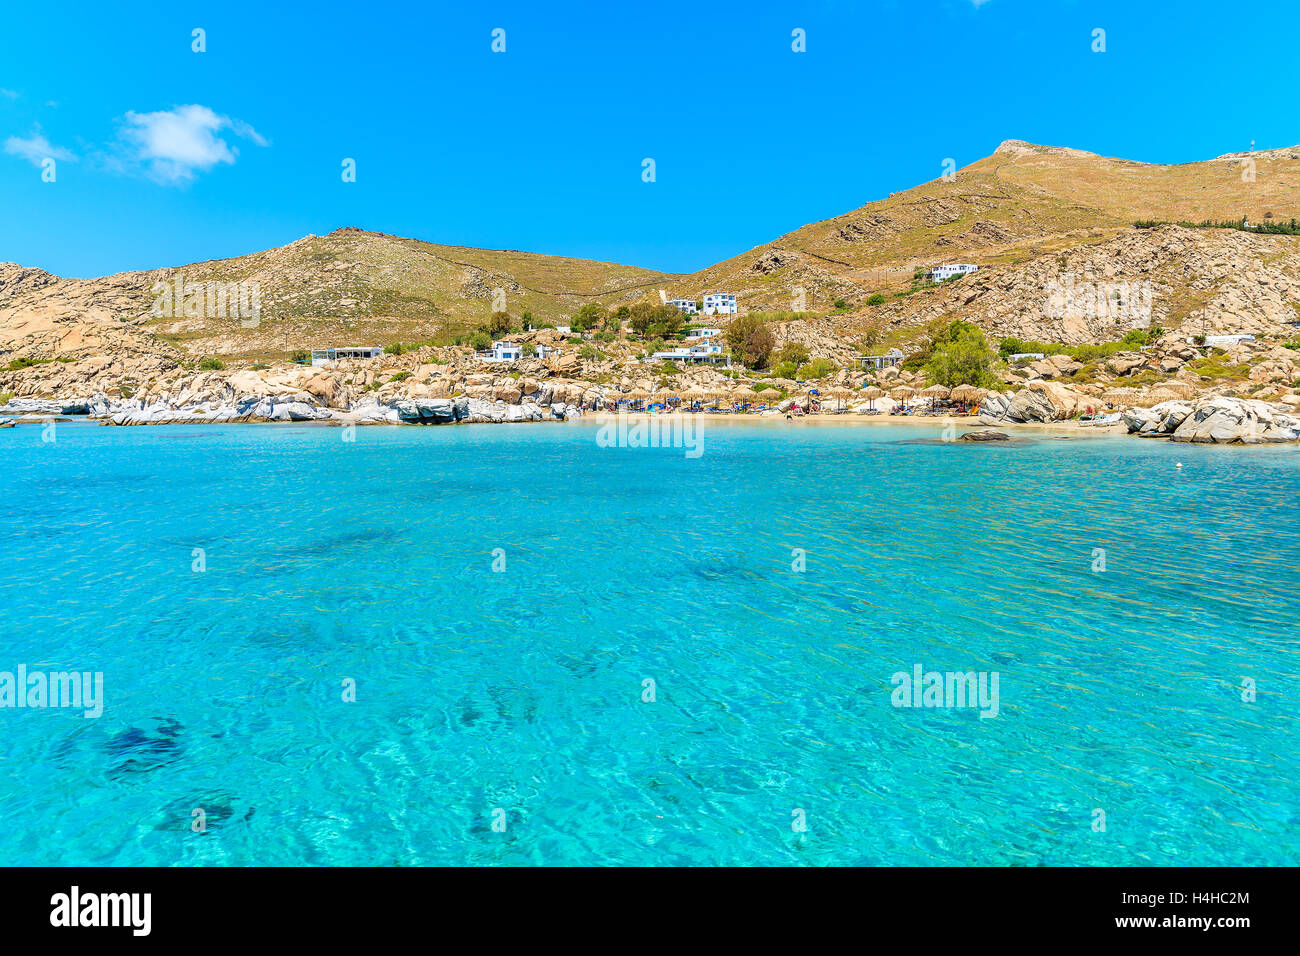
{"x":522,"y":689}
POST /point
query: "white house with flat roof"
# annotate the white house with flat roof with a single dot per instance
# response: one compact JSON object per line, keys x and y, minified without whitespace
{"x":950,"y":269}
{"x":1220,"y":341}
{"x":513,"y":352}
{"x":701,"y":336}
{"x":322,"y":356}
{"x":503,"y":352}
{"x":720,"y":303}
{"x":708,"y":354}
{"x":687,"y":306}
{"x":877,"y":362}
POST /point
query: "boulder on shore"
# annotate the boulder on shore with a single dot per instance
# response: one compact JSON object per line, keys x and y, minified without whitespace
{"x":1216,"y":420}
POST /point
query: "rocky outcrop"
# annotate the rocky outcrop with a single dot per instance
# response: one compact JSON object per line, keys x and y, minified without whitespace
{"x":1217,"y":420}
{"x":1032,"y":405}
{"x":1038,"y":401}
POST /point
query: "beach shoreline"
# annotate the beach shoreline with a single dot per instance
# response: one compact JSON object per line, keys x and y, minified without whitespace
{"x":962,"y":423}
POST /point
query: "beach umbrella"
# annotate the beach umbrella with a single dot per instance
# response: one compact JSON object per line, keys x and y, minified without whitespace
{"x":962,"y":393}
{"x":871,"y":393}
{"x":839,"y":393}
{"x":902,"y":393}
{"x":936,"y":391}
{"x":1119,"y":396}
{"x":968,"y":394}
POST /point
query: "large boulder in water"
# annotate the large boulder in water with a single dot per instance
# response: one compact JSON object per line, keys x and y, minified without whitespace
{"x":429,"y":411}
{"x":1230,"y":420}
{"x":1216,"y":420}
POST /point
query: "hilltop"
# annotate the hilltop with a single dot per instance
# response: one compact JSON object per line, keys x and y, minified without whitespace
{"x":1032,"y":217}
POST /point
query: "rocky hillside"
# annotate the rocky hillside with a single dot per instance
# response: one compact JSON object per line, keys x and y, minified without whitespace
{"x":1051,"y":229}
{"x":350,"y":287}
{"x":1022,"y":203}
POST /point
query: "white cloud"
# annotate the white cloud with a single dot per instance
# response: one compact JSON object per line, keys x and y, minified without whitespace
{"x":8,"y":94}
{"x":36,"y":148}
{"x":175,"y":144}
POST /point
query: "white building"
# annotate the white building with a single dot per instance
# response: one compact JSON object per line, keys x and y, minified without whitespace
{"x":511,"y":352}
{"x":877,"y":362}
{"x":701,"y":336}
{"x":684,"y":305}
{"x":322,"y":356}
{"x":950,"y":269}
{"x":1222,"y":341}
{"x":503,"y":352}
{"x":720,"y":303}
{"x":709,"y":354}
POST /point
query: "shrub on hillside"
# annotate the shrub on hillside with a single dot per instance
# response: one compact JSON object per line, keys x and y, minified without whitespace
{"x":961,"y":356}
{"x":818,"y":368}
{"x":498,"y":324}
{"x":750,"y":340}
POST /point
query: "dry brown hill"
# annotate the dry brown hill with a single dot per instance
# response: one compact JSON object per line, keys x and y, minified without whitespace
{"x":1020,"y":203}
{"x":1032,"y":217}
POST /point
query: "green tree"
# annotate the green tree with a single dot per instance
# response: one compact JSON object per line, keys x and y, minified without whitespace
{"x":668,"y":320}
{"x":641,"y":317}
{"x":498,"y":324}
{"x":961,"y":357}
{"x":750,"y":340}
{"x":647,"y":318}
{"x":792,"y":353}
{"x":481,"y":341}
{"x":590,"y":316}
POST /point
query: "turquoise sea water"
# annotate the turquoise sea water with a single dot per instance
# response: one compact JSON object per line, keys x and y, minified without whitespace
{"x":522,"y":689}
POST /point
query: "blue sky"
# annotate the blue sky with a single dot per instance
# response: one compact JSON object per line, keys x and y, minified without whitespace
{"x":163,"y":156}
